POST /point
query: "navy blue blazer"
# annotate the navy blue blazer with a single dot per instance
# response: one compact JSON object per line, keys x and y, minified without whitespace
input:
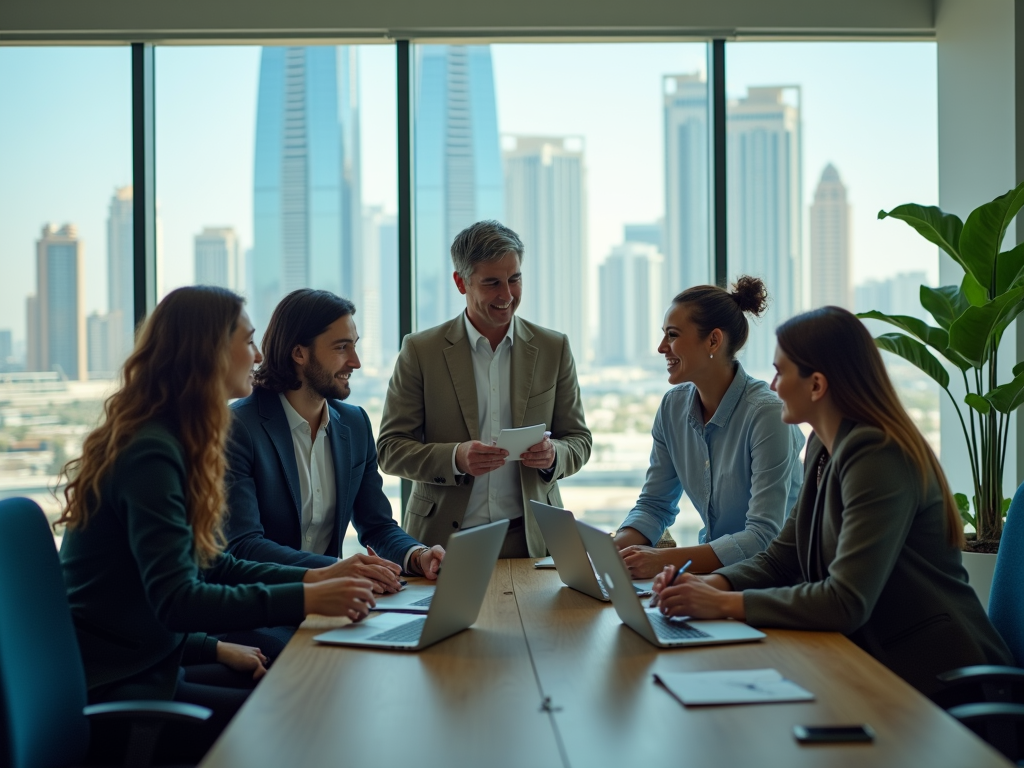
{"x":264,"y":511}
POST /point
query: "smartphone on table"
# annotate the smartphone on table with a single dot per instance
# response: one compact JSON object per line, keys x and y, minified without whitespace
{"x":832,"y":734}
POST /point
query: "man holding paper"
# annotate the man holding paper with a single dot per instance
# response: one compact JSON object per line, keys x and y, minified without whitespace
{"x":458,"y":385}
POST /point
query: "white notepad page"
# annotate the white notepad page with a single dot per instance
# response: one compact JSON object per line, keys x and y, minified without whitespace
{"x":733,"y":686}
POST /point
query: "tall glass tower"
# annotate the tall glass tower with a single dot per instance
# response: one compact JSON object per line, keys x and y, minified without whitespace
{"x":458,"y":165}
{"x":307,"y":205}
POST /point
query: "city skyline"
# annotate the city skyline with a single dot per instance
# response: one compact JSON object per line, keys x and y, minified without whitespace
{"x":504,"y":50}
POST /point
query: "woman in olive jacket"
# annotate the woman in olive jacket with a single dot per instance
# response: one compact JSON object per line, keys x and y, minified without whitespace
{"x":872,"y":548}
{"x":143,"y":556}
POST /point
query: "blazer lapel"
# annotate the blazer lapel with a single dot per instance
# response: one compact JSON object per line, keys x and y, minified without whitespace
{"x":341,"y":455}
{"x":276,"y":426}
{"x":524,"y":363}
{"x":460,"y":367}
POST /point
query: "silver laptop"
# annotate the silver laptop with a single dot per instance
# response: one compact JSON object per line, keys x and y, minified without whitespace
{"x":469,"y":562}
{"x":648,"y":622}
{"x":570,"y":556}
{"x":413,"y":598}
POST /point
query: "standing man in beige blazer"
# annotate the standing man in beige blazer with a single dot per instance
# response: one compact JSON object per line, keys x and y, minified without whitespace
{"x":457,"y":385}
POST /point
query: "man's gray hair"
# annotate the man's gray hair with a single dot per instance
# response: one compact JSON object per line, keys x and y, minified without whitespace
{"x":484,"y":241}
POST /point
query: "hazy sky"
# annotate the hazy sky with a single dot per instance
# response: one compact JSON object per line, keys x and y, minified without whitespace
{"x":65,"y":140}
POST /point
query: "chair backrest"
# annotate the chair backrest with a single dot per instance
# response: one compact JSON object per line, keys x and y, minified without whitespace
{"x":42,"y":682}
{"x":1006,"y":600}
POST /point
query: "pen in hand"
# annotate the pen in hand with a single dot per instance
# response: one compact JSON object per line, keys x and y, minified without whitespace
{"x":678,"y":573}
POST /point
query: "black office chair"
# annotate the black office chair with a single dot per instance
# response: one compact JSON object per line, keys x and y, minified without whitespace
{"x":44,"y":720}
{"x":990,"y":699}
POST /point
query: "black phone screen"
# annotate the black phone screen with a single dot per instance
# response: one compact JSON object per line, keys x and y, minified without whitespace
{"x":832,"y":733}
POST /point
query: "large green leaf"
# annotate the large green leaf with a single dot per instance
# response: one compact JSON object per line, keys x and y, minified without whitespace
{"x":964,"y":507}
{"x":914,"y":352}
{"x":945,"y":304}
{"x":937,"y":227}
{"x":1018,"y":369}
{"x":936,"y":338}
{"x":978,"y":403}
{"x":983,"y":233}
{"x":1010,"y":269}
{"x":970,"y":334}
{"x":976,"y":293}
{"x":1008,"y":397}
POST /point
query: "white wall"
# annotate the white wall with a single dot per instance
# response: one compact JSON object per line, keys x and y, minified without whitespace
{"x":977,"y":161}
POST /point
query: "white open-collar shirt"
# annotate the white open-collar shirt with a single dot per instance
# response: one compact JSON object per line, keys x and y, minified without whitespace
{"x":317,"y":488}
{"x":497,"y":495}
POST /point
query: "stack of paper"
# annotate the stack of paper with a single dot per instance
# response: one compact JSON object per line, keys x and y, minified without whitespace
{"x":733,"y":686}
{"x":545,"y":562}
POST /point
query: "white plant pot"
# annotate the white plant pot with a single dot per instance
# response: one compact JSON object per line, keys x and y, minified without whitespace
{"x":980,"y":567}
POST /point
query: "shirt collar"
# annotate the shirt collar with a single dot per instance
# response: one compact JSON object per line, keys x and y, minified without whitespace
{"x":731,"y":399}
{"x":475,"y":335}
{"x":295,"y":420}
{"x":725,"y":409}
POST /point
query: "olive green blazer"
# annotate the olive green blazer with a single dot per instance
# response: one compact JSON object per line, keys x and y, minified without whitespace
{"x":866,"y":555}
{"x":431,"y":406}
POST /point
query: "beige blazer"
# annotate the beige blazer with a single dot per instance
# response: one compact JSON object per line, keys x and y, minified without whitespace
{"x":431,"y":406}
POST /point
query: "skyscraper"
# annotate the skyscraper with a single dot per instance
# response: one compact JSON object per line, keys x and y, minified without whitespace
{"x":545,"y":203}
{"x":458,"y":165}
{"x":307,"y":203}
{"x":830,"y":243}
{"x":6,"y":350}
{"x":103,"y":339}
{"x":763,"y":169}
{"x":630,"y":285}
{"x":56,"y":314}
{"x":120,"y":269}
{"x":218,"y":259}
{"x":687,"y":240}
{"x":378,"y":312}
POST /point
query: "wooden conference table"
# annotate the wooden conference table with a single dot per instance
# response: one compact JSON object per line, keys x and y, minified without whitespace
{"x":549,"y":677}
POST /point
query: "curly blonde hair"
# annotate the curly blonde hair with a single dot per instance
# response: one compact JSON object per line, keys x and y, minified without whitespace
{"x":176,"y":373}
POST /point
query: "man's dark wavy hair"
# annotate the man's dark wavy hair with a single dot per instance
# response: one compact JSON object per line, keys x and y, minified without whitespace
{"x":301,"y":316}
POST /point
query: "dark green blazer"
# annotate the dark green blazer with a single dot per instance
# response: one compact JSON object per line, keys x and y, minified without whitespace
{"x":135,"y":590}
{"x":866,"y":555}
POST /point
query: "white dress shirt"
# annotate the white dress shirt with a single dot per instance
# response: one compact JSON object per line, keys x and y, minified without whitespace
{"x":497,"y":495}
{"x":317,"y":489}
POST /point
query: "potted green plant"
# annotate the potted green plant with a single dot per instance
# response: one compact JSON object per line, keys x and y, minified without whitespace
{"x":971,"y":318}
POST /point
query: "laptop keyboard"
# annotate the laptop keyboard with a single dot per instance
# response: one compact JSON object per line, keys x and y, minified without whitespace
{"x":667,"y":629}
{"x":423,"y":602}
{"x":403,"y":633}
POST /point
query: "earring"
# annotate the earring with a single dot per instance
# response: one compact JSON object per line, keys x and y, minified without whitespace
{"x":711,"y":357}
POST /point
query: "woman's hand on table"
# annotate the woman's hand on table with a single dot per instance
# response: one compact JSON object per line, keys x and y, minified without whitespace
{"x":700,"y":597}
{"x":242,"y":658}
{"x":347,"y":596}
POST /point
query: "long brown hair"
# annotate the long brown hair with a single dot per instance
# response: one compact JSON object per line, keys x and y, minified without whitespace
{"x":833,"y":342}
{"x":176,"y":374}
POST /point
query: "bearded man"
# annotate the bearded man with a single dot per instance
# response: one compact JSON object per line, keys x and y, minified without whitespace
{"x":302,"y":464}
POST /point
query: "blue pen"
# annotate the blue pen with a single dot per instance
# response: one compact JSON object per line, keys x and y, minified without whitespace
{"x":678,"y":573}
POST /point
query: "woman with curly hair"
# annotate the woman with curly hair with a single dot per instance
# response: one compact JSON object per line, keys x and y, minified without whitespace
{"x":717,"y":438}
{"x":143,"y":552}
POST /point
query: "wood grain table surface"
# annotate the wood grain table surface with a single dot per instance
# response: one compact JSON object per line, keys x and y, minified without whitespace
{"x":548,"y":677}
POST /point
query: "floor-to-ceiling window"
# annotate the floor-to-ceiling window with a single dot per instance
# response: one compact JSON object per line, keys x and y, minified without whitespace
{"x":65,"y":253}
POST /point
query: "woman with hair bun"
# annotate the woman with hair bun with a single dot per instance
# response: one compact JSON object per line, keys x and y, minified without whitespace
{"x":872,"y":548}
{"x":718,"y":437}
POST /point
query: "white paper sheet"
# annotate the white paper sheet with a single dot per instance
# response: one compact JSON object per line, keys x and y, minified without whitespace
{"x":737,"y":686}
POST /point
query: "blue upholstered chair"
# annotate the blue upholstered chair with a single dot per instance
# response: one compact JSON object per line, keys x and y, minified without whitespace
{"x":995,"y":695}
{"x":44,"y":720}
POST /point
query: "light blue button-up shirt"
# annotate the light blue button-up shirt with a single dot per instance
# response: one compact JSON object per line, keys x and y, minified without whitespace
{"x":741,"y":470}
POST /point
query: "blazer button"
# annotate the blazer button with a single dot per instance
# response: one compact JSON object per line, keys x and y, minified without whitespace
{"x":455,"y":523}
